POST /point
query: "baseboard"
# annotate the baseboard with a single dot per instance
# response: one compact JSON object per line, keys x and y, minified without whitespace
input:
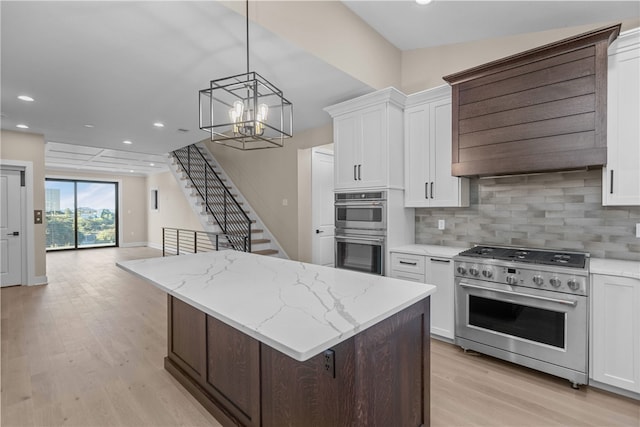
{"x":39,"y":280}
{"x":154,"y":245}
{"x":133,"y":244}
{"x":614,"y":389}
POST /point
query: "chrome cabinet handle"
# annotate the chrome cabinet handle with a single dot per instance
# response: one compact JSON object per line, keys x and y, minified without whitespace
{"x":359,"y":170}
{"x":15,"y":233}
{"x":432,"y":189}
{"x":354,"y":173}
{"x":500,"y":291}
{"x":408,"y":263}
{"x":426,"y":190}
{"x":446,"y":261}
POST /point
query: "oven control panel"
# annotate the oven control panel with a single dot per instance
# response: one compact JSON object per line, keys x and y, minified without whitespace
{"x":547,"y":279}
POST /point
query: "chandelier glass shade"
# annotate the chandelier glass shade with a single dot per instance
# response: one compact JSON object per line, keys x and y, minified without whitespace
{"x":245,"y":111}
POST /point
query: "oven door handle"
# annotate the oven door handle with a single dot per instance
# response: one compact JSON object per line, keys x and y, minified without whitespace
{"x":366,"y":239}
{"x":359,"y":204}
{"x":500,"y":291}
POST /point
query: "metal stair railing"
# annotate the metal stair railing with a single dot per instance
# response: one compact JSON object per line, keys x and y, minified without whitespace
{"x":218,"y":200}
{"x":180,"y":241}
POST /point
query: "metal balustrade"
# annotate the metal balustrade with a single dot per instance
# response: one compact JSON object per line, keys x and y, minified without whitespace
{"x":180,"y":241}
{"x":218,"y":200}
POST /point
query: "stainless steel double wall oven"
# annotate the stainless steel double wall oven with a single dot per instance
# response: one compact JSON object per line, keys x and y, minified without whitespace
{"x":361,"y":228}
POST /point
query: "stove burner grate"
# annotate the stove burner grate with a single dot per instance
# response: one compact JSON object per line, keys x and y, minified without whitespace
{"x":573,"y":260}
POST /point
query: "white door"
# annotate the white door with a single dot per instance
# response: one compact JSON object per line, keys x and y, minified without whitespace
{"x":10,"y":228}
{"x":322,"y":213}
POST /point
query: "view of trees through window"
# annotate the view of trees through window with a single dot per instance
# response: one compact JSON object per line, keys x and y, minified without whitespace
{"x":80,"y":214}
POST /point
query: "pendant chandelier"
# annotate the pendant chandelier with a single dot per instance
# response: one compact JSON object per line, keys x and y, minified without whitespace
{"x":245,"y":111}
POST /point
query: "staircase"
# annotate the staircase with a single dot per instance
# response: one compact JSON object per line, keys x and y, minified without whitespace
{"x":220,"y":207}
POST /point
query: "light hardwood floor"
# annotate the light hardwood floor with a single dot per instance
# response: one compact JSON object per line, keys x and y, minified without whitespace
{"x":87,"y":350}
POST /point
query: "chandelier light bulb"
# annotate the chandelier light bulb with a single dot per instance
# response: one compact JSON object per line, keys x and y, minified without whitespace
{"x":238,"y":106}
{"x":261,"y":117}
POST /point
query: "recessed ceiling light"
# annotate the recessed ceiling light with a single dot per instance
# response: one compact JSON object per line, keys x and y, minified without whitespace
{"x":127,"y":142}
{"x":22,"y":126}
{"x":88,"y":125}
{"x":25,"y":98}
{"x":152,"y":164}
{"x":423,"y":1}
{"x":131,"y":170}
{"x":159,"y":124}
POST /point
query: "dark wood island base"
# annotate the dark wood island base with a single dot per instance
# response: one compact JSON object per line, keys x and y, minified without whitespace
{"x":379,"y":377}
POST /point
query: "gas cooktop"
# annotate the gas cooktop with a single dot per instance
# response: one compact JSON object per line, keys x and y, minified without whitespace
{"x":552,"y":257}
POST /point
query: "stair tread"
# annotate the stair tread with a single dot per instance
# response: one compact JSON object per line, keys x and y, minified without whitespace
{"x":259,"y":241}
{"x":265,"y":252}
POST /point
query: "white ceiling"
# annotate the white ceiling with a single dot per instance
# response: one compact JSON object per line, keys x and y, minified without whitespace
{"x":121,"y":66}
{"x":408,"y":25}
{"x":103,"y":160}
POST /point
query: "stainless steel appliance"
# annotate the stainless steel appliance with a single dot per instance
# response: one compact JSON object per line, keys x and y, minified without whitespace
{"x":362,"y":210}
{"x":527,"y":306}
{"x":360,"y":252}
{"x":361,"y":227}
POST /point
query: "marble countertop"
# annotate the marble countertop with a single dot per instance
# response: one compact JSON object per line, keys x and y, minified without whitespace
{"x":614,"y":267}
{"x":297,"y":308}
{"x":429,"y":250}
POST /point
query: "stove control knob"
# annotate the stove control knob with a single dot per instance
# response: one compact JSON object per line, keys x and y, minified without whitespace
{"x":573,"y":284}
{"x":462,"y":270}
{"x":474,"y":271}
{"x":487,"y":272}
{"x":512,"y":280}
{"x":555,"y":282}
{"x":538,"y":280}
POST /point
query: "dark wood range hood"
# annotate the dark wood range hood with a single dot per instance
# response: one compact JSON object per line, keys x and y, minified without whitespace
{"x":540,"y":110}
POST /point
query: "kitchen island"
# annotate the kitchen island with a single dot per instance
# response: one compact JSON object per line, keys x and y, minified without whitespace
{"x":264,"y":341}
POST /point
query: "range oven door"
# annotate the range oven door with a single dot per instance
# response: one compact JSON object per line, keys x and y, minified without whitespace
{"x":364,"y":253}
{"x":550,"y":327}
{"x":364,"y":215}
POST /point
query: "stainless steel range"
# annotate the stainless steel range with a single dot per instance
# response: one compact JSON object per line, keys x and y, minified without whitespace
{"x":527,"y":306}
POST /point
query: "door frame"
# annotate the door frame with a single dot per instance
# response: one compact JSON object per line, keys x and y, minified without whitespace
{"x":27,"y":231}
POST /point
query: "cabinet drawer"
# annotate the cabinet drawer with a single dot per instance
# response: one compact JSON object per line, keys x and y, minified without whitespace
{"x":412,"y":277}
{"x":407,"y":263}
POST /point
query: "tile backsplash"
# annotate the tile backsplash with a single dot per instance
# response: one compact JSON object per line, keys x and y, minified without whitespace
{"x":553,"y":210}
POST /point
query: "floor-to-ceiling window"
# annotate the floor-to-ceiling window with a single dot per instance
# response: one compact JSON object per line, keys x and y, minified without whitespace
{"x":81,"y":214}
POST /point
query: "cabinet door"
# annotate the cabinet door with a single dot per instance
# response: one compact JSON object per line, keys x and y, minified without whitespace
{"x":621,"y":176}
{"x":372,"y":166}
{"x":615,"y":318}
{"x":347,"y":138}
{"x":439,"y":272}
{"x":446,"y":187}
{"x":417,"y":181}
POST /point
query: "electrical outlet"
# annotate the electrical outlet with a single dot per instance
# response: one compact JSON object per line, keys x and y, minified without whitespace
{"x":330,"y":362}
{"x":441,"y":224}
{"x":285,"y":202}
{"x":637,"y":230}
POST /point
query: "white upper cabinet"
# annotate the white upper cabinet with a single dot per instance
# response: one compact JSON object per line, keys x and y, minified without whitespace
{"x":428,"y":179}
{"x":621,"y":175}
{"x":368,"y":141}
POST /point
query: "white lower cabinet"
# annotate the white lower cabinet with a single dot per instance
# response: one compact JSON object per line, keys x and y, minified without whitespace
{"x":433,"y":270}
{"x":439,"y":272}
{"x":615,"y":331}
